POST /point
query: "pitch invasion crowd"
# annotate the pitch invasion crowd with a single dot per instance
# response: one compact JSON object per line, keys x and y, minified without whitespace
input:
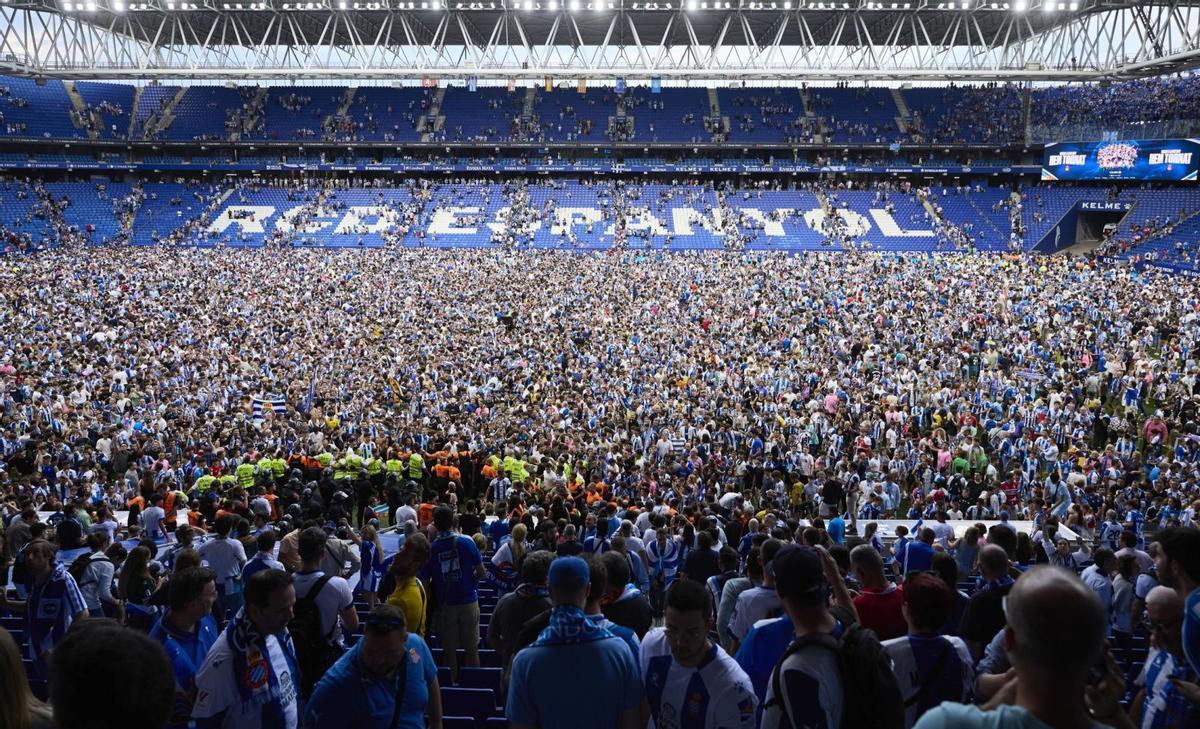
{"x":681,"y":402}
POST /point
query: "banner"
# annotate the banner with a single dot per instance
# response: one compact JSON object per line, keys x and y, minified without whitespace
{"x":472,"y":83}
{"x":429,"y":83}
{"x":620,"y":86}
{"x":1161,"y":159}
{"x":549,"y":84}
{"x":512,"y":85}
{"x":656,"y":85}
{"x":582,"y":86}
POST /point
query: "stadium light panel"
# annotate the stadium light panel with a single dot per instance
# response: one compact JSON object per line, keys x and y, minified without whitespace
{"x":574,"y":6}
{"x":553,"y":6}
{"x":1019,"y":6}
{"x":787,"y":5}
{"x":1074,"y":6}
{"x":1049,"y":6}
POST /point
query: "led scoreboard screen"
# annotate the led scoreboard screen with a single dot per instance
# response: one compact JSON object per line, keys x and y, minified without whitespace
{"x":1160,"y":159}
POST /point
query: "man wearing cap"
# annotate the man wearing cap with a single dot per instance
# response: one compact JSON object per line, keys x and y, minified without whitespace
{"x":604,"y":689}
{"x":806,"y":688}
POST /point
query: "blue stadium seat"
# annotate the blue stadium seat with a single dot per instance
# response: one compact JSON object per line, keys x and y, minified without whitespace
{"x":482,"y":678}
{"x":477,"y":703}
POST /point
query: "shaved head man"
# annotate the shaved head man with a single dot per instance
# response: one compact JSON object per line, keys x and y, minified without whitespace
{"x":1055,"y":635}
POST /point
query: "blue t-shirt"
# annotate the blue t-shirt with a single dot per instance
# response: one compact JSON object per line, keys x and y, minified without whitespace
{"x":348,"y":696}
{"x":451,"y":569}
{"x":837,"y":530}
{"x":918,"y":557}
{"x":187,"y":652}
{"x":1191,"y":630}
{"x":764,"y":645}
{"x":605,"y":683}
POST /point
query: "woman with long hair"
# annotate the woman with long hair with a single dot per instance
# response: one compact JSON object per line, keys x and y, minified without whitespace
{"x":505,"y":565}
{"x":19,"y":708}
{"x":135,"y":587}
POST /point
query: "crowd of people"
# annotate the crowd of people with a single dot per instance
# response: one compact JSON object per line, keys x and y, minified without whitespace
{"x":677,"y":469}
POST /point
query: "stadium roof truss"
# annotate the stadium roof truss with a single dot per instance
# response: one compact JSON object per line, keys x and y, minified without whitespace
{"x":678,"y":41}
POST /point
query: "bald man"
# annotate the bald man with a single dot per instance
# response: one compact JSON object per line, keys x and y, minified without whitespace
{"x":1055,"y":634}
{"x":1160,"y":703}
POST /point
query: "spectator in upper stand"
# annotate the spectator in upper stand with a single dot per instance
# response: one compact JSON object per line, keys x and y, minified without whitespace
{"x":519,"y":606}
{"x":605,"y":676}
{"x":1098,"y":577}
{"x":264,"y":559}
{"x":409,"y":593}
{"x":227,"y":693}
{"x":808,"y":685}
{"x":930,"y":667}
{"x":333,"y":597}
{"x":687,"y":675}
{"x":623,"y":602}
{"x":756,"y":603}
{"x":96,"y":582}
{"x":388,"y":664}
{"x":453,"y":572}
{"x":226,"y":557}
{"x":880,"y":605}
{"x":917,"y":555}
{"x":187,"y":631}
{"x":984,"y":616}
{"x":1055,"y":636}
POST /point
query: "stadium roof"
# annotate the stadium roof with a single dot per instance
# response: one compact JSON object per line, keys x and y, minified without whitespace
{"x":675,"y":40}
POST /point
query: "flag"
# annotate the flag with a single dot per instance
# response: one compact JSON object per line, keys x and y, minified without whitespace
{"x":312,"y":394}
{"x":429,"y":83}
{"x":549,"y":84}
{"x":267,"y":404}
{"x":656,"y":85}
{"x":620,"y":86}
{"x":472,"y":83}
{"x":582,"y":85}
{"x":512,"y":85}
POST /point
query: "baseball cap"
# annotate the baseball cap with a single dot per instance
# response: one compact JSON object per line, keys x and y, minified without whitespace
{"x":568,"y":573}
{"x":798,"y":571}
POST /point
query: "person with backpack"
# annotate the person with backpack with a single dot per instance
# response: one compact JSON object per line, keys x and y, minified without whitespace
{"x":249,"y":679}
{"x":834,"y":671}
{"x":930,"y":667}
{"x":93,"y":572}
{"x":324,"y":608}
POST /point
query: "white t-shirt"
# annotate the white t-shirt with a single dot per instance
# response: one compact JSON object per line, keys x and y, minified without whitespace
{"x":152,"y":519}
{"x":942,"y":533}
{"x":716,"y":693}
{"x":334,"y":597}
{"x":217,"y":689}
{"x":406,"y":513}
{"x":224,"y":556}
{"x":753,"y":605}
